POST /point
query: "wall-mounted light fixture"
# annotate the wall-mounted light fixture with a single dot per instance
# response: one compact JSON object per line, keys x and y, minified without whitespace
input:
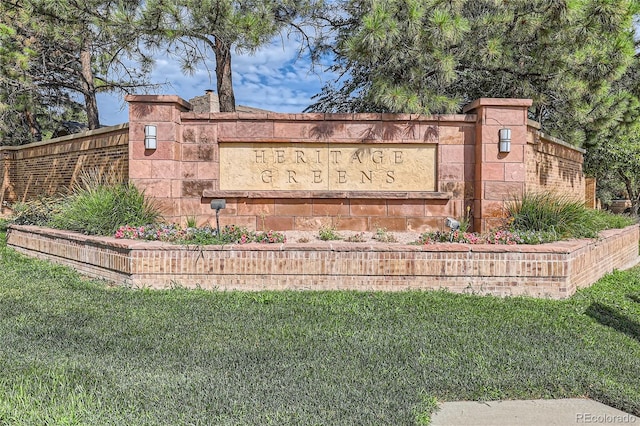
{"x":504,"y":140}
{"x":150,"y":137}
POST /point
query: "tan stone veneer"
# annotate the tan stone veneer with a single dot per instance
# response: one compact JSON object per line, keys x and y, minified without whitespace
{"x":327,"y":167}
{"x":548,"y":270}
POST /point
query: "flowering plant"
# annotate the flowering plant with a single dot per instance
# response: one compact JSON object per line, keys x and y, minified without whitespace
{"x":152,"y":232}
{"x":504,"y":236}
{"x":501,"y":236}
{"x":230,"y":234}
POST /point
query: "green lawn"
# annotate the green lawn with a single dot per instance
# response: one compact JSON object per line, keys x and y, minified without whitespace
{"x":74,"y":351}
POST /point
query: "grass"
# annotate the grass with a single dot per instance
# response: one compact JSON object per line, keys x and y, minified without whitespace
{"x":101,"y":210}
{"x":76,"y":351}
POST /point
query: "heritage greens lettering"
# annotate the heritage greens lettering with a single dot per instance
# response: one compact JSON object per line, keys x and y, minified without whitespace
{"x":343,"y":167}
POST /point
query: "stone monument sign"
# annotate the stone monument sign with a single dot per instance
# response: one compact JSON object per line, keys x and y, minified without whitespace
{"x":328,"y":167}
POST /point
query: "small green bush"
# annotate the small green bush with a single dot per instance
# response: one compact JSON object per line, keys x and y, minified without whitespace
{"x":328,"y":233}
{"x":35,"y":212}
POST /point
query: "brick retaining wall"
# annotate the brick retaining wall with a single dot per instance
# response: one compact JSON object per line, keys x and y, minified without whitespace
{"x":50,"y":167}
{"x":553,"y":270}
{"x":553,"y":165}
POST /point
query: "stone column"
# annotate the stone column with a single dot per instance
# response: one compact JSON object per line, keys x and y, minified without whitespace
{"x":499,"y":176}
{"x":157,"y":170}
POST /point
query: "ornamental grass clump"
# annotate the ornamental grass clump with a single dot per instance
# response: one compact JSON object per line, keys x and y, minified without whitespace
{"x":537,"y":218}
{"x":547,"y":212}
{"x":547,"y":216}
{"x":97,"y":205}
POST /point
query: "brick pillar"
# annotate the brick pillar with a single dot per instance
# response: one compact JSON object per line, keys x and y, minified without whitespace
{"x":7,"y":178}
{"x":590,"y":193}
{"x":498,"y":176}
{"x":157,"y":171}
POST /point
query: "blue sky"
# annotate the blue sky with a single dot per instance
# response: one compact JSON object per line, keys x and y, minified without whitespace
{"x":270,"y":78}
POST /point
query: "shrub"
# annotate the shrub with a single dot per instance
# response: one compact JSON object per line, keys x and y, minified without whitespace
{"x":98,"y":205}
{"x":35,"y":212}
{"x":550,"y":217}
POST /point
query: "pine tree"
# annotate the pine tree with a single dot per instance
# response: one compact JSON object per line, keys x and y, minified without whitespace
{"x":433,"y":57}
{"x":60,"y":55}
{"x":29,"y":109}
{"x":615,"y":159}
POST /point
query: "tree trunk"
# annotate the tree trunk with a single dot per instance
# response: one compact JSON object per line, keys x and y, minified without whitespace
{"x":89,"y":88}
{"x":223,"y":76}
{"x":633,"y":195}
{"x":34,"y":126}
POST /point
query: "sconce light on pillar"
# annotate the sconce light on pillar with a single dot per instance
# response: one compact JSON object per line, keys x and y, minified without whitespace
{"x":150,"y":137}
{"x":504,"y":140}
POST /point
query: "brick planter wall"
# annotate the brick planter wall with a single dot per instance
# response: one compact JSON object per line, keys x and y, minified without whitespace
{"x":549,"y":270}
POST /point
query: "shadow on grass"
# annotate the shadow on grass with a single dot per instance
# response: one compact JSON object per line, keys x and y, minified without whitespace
{"x":634,"y":297}
{"x":608,"y":316}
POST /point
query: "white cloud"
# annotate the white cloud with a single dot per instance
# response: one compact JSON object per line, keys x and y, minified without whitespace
{"x":272,"y":78}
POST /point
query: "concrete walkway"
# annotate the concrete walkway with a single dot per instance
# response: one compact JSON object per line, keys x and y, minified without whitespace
{"x":539,"y":412}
